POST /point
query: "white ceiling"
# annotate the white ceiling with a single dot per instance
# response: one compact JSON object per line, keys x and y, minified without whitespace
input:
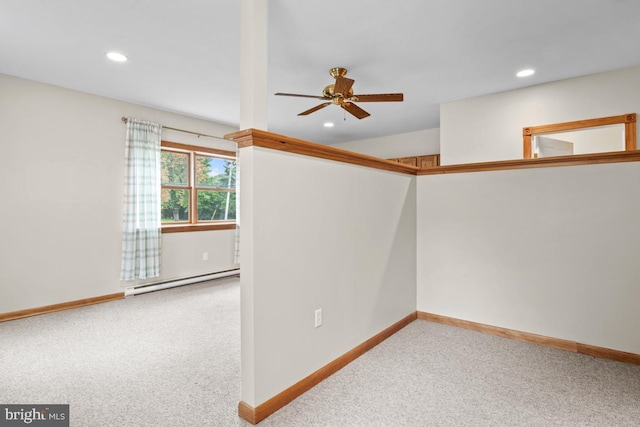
{"x":184,"y":56}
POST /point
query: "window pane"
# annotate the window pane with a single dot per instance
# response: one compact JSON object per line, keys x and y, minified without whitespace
{"x":216,"y":205}
{"x":215,"y":173}
{"x":175,"y":205}
{"x":175,"y":168}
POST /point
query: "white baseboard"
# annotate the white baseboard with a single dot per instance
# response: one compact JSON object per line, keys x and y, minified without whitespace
{"x":141,"y":289}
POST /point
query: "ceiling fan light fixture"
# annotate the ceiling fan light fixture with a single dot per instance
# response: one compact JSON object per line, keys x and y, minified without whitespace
{"x":526,"y":73}
{"x":117,"y":57}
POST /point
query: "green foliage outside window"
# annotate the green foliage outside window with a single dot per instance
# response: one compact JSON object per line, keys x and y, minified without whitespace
{"x":175,"y":205}
{"x":215,"y":180}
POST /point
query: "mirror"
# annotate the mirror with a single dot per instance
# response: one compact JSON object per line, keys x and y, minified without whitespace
{"x":605,"y":134}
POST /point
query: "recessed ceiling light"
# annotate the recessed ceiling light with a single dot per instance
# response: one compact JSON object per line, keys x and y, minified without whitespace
{"x":526,"y":73}
{"x":328,"y":125}
{"x":117,"y":57}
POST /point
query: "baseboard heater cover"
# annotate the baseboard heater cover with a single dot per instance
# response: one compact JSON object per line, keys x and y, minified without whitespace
{"x":151,"y":287}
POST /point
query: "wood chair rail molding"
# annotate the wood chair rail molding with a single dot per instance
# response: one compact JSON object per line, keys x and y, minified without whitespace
{"x":629,"y":121}
{"x":543,"y":162}
{"x":260,"y":138}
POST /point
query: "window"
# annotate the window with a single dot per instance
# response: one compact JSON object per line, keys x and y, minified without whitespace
{"x":198,"y":188}
{"x":601,"y":135}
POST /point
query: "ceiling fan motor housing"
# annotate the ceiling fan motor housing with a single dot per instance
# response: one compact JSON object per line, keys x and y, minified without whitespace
{"x":329,"y":92}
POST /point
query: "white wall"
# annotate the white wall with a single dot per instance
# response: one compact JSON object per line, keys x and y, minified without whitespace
{"x":489,"y":128}
{"x":62,"y":169}
{"x":596,"y":140}
{"x":182,"y":253}
{"x":402,"y":145}
{"x":318,"y":234}
{"x":549,"y":251}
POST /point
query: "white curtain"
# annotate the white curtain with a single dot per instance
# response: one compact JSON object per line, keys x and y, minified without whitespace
{"x":237,"y":251}
{"x":141,"y":233}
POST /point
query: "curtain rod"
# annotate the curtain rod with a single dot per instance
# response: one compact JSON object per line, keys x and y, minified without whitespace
{"x":126,"y":119}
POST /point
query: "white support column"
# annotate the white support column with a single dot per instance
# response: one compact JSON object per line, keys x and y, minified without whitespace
{"x":253,"y":64}
{"x":253,"y":114}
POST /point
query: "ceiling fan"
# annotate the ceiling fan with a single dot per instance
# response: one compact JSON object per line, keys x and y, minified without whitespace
{"x":341,"y":93}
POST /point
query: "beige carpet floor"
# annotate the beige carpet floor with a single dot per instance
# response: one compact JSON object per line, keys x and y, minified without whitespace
{"x":171,"y":358}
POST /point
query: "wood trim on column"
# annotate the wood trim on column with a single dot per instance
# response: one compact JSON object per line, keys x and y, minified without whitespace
{"x":260,"y":138}
{"x":575,"y":347}
{"x":255,"y":415}
{"x":59,"y":307}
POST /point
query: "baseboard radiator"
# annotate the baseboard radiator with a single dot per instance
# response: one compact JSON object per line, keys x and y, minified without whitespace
{"x":151,"y":287}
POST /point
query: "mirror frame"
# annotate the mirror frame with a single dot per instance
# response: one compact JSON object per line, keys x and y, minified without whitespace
{"x":629,"y":121}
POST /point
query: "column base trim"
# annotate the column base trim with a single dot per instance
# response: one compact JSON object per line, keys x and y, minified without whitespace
{"x":262,"y":411}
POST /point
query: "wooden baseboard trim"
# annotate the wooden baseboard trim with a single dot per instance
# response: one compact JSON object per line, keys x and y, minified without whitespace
{"x":605,"y":353}
{"x":255,"y":415}
{"x":247,"y":413}
{"x":13,"y":315}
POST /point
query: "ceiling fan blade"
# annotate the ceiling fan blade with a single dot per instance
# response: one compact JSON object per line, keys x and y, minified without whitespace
{"x":380,"y":97}
{"x":301,"y":96}
{"x":342,"y":86}
{"x":355,"y":110}
{"x":314,"y":109}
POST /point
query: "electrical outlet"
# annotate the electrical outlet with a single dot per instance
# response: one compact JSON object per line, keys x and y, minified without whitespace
{"x":205,"y":256}
{"x":318,"y":318}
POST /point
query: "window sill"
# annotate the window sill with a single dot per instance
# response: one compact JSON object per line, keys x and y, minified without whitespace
{"x":182,"y":228}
